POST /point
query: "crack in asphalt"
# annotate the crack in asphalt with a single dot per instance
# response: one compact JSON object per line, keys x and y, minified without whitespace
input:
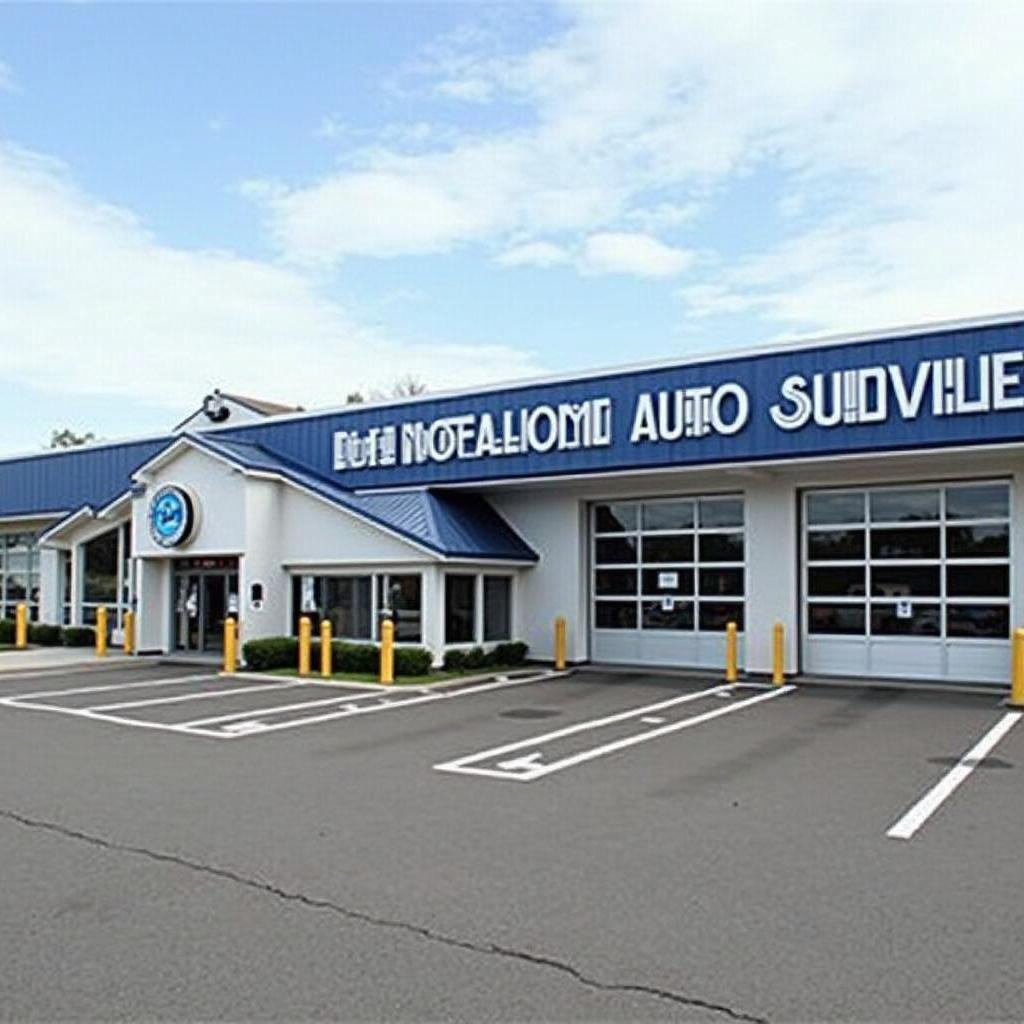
{"x":362,"y":917}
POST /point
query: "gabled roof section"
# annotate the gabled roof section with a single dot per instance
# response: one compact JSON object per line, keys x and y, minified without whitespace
{"x":54,"y":483}
{"x":452,"y":525}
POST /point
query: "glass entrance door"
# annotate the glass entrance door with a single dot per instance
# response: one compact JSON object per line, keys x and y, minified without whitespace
{"x":202,"y":600}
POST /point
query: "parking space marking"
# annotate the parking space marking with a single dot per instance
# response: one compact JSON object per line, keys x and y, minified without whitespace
{"x":531,"y":766}
{"x":253,"y":720}
{"x":179,"y":698}
{"x":348,"y":707}
{"x":908,"y":825}
{"x":160,"y":681}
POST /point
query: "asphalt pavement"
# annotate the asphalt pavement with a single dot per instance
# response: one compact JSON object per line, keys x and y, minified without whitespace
{"x":735,"y":869}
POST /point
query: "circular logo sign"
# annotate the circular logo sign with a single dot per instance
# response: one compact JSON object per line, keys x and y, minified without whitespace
{"x":171,"y":516}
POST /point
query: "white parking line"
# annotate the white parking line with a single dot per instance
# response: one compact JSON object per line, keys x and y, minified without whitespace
{"x":530,"y":767}
{"x":350,"y":707}
{"x":169,"y":681}
{"x":938,"y":794}
{"x":203,"y":695}
{"x":250,"y":722}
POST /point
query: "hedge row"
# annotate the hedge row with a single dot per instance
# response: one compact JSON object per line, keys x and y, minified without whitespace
{"x":46,"y":635}
{"x":500,"y":656}
{"x":283,"y":652}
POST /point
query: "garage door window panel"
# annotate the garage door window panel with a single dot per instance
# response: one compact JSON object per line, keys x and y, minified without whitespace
{"x":835,"y":545}
{"x":978,"y":580}
{"x":668,"y":516}
{"x":989,"y":541}
{"x":615,"y":582}
{"x":615,"y":614}
{"x":978,"y":621}
{"x":905,"y":505}
{"x":905,"y":581}
{"x":615,"y":550}
{"x":668,"y":582}
{"x":840,"y":619}
{"x":906,"y":543}
{"x":721,"y":582}
{"x":978,"y":501}
{"x":617,"y":517}
{"x":668,"y":548}
{"x":716,"y":615}
{"x":836,"y":581}
{"x":657,"y":616}
{"x":923,"y":620}
{"x":720,"y":512}
{"x":832,"y":508}
{"x":721,"y":547}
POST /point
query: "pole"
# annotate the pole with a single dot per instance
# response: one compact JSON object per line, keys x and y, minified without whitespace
{"x":778,"y":654}
{"x":1017,"y":677}
{"x":731,"y":669}
{"x":129,"y":632}
{"x":101,"y":632}
{"x":230,"y":645}
{"x":21,"y":626}
{"x":305,"y":640}
{"x":560,"y":643}
{"x":387,"y":651}
{"x":325,"y":649}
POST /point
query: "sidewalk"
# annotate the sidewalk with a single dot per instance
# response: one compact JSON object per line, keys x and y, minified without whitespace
{"x":35,"y":658}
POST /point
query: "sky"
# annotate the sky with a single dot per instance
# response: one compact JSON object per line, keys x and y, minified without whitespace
{"x":298,"y":201}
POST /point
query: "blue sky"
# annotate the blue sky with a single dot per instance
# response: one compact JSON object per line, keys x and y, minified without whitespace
{"x":298,"y":201}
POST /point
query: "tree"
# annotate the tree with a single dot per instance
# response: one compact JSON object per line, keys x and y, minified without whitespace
{"x":408,"y":387}
{"x":354,"y":398}
{"x":67,"y":438}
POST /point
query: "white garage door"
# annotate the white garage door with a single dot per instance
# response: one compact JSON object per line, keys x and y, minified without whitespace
{"x":908,"y":582}
{"x":666,"y":577}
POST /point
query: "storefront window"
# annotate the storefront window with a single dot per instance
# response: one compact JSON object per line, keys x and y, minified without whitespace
{"x":404,"y":597}
{"x":19,"y":574}
{"x":105,"y":575}
{"x":497,"y":608}
{"x":459,"y":609}
{"x":348,"y":603}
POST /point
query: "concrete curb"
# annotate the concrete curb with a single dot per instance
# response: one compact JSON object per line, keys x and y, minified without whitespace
{"x":440,"y":684}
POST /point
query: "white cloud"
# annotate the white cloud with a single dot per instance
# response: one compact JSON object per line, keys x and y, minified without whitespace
{"x":533,"y":254}
{"x":621,"y":252}
{"x":90,"y":303}
{"x":887,"y":133}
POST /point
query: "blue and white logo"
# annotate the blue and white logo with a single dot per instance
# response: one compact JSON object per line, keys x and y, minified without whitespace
{"x":171,"y":516}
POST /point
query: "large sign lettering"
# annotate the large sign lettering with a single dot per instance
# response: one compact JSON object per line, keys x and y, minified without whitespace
{"x":947,"y":388}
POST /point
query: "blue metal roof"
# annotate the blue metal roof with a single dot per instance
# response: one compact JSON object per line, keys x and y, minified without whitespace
{"x":454,"y":525}
{"x":63,"y":481}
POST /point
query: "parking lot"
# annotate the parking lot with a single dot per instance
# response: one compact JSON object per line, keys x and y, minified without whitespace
{"x":682,"y":850}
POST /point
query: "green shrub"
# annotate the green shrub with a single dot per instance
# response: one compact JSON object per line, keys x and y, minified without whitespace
{"x":79,"y":636}
{"x":271,"y":652}
{"x":358,"y":658}
{"x":413,"y":661}
{"x":509,"y":654}
{"x":454,"y":661}
{"x":6,"y":631}
{"x":476,"y":658}
{"x":45,"y":635}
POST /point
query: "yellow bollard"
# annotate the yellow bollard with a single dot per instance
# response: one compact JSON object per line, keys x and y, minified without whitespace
{"x":305,"y":639}
{"x":560,"y":644}
{"x":731,"y":663}
{"x":387,"y":651}
{"x":325,"y":648}
{"x":1017,"y":678}
{"x":21,"y":626}
{"x":129,"y":632}
{"x":230,"y":645}
{"x":778,"y":654}
{"x":101,"y":632}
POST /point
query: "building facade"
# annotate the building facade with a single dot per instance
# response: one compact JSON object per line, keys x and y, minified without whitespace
{"x":860,"y":490}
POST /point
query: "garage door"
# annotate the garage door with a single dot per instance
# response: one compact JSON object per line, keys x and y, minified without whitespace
{"x":908,"y":582}
{"x":666,"y":577}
